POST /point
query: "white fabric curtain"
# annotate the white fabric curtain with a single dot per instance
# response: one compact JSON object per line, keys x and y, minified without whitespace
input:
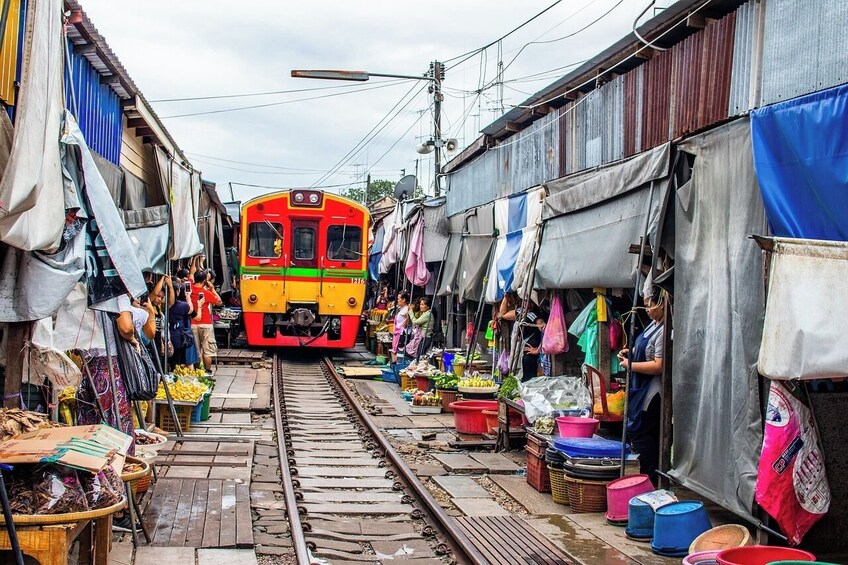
{"x":177,"y":183}
{"x":32,"y":211}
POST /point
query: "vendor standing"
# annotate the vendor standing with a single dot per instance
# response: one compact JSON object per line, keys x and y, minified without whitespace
{"x":531,"y":335}
{"x":422,"y":327}
{"x":645,"y":361}
{"x":401,"y":321}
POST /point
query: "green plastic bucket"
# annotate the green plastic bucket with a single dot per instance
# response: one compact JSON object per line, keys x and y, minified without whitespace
{"x":204,"y":411}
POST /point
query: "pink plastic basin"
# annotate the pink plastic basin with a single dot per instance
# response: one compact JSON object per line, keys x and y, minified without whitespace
{"x":570,"y":426}
{"x":468,"y":415}
{"x":762,"y":555}
{"x":619,"y":493}
{"x":701,"y":558}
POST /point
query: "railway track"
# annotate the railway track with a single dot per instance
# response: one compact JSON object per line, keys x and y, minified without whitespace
{"x":349,"y":496}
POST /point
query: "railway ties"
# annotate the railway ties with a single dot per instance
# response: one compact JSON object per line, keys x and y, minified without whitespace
{"x":343,"y":488}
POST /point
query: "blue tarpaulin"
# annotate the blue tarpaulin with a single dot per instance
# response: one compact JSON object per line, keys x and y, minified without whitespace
{"x":801,"y":158}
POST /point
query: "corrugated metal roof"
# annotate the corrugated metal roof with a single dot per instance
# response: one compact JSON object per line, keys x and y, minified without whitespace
{"x":796,"y":61}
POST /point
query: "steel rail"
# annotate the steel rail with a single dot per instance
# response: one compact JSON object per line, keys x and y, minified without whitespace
{"x":301,"y":550}
{"x":462,"y":547}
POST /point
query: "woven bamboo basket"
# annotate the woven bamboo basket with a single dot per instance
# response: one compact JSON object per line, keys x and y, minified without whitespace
{"x":66,"y":518}
{"x":559,"y":490}
{"x":586,"y":496}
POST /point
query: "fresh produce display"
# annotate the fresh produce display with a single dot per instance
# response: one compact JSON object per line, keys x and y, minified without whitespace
{"x":187,"y":371}
{"x":426,"y":399}
{"x":461,"y":359}
{"x":183,"y":390}
{"x":446,"y":380}
{"x":145,"y":438}
{"x":421,"y":369}
{"x":544,"y":425}
{"x":14,"y":421}
{"x":509,"y":388}
{"x":477,"y":382}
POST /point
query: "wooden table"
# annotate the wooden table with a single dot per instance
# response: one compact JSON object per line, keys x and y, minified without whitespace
{"x":506,"y":435}
{"x":51,"y":544}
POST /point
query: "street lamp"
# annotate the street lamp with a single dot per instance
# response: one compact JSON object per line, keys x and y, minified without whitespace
{"x":435,"y":75}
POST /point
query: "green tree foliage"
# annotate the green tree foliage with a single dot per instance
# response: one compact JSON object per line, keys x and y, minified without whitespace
{"x":378,"y":189}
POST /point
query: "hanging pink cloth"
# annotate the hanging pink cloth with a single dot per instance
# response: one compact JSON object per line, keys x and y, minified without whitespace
{"x":416,"y":268}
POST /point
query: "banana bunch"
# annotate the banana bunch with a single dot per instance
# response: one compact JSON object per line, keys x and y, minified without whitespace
{"x":186,"y":371}
{"x":477,"y":382}
{"x":183,"y":390}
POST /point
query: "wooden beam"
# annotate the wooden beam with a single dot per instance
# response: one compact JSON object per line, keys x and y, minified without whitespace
{"x":646,"y":53}
{"x":144,"y":131}
{"x":696,"y":21}
{"x":111,"y":80}
{"x":512,"y":127}
{"x":136,"y":123}
{"x":149,"y":139}
{"x":542,"y":110}
{"x":85,"y":49}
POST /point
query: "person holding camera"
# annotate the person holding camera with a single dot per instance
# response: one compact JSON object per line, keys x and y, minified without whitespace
{"x":203,"y":297}
{"x":645,"y":361}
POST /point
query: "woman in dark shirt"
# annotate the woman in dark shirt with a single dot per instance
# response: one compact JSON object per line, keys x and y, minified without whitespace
{"x":531,"y":333}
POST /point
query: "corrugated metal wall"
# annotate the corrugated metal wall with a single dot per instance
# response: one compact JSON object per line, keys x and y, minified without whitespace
{"x":700,"y":77}
{"x":804,"y":48}
{"x":744,"y":35}
{"x":97,"y":108}
{"x":9,"y":55}
{"x":711,"y":75}
{"x":526,"y":159}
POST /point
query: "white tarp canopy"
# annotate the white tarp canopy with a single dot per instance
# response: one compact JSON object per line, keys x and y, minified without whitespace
{"x":32,"y":206}
{"x":180,"y":186}
{"x":807,"y":290}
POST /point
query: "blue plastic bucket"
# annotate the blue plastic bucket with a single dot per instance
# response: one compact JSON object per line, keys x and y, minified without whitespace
{"x":677,"y":525}
{"x":640,"y":520}
{"x":447,"y":360}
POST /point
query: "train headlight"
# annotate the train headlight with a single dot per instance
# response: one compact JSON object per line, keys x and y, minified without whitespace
{"x":336,"y":325}
{"x":313,"y":198}
{"x":252,"y":299}
{"x":351,"y":301}
{"x":298,"y":197}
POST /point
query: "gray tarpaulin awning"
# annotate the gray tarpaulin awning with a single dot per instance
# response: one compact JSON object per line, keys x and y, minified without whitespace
{"x":113,"y":177}
{"x":436,"y":229}
{"x":593,"y":218}
{"x":718,"y":319}
{"x":447,"y":285}
{"x":477,"y":243}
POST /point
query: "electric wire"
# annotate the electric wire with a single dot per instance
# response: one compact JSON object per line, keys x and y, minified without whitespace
{"x":281,"y":103}
{"x":373,"y":131}
{"x":469,"y":54}
{"x":294,"y":169}
{"x":268,"y":93}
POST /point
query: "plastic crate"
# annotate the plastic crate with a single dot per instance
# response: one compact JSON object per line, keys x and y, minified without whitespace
{"x":165,"y":422}
{"x":538,"y":475}
{"x":406,"y":382}
{"x":197,"y":413}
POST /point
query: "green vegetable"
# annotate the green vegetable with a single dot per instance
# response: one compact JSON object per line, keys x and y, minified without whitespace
{"x":509,"y":388}
{"x":446,"y":380}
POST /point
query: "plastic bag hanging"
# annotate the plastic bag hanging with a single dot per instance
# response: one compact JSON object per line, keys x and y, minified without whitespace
{"x":555,"y":338}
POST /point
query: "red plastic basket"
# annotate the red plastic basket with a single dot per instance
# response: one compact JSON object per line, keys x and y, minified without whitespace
{"x":538,"y":475}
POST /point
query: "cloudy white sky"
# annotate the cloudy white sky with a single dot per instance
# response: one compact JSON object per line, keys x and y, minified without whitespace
{"x":201,"y":48}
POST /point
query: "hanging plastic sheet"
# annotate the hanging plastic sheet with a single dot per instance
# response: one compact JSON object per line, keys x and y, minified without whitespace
{"x":477,"y":243}
{"x":516,"y":220}
{"x":718,"y":319}
{"x":801,"y":157}
{"x":436,"y":229}
{"x":113,"y":177}
{"x":177,"y":182}
{"x":800,"y":338}
{"x":112,"y":267}
{"x":151,"y":247}
{"x":391,"y":240}
{"x":415,"y":268}
{"x":447,"y":284}
{"x":32,"y":214}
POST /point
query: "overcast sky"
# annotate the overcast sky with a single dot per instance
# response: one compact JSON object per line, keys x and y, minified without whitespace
{"x":196,"y":48}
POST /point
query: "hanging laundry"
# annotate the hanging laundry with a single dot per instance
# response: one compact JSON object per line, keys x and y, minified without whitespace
{"x":416,"y":269}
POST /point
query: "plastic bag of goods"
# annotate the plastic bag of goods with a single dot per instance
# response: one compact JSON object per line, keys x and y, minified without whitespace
{"x":791,"y":482}
{"x":545,"y":396}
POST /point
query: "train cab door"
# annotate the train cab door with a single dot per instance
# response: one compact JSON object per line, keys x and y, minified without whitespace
{"x":304,"y":255}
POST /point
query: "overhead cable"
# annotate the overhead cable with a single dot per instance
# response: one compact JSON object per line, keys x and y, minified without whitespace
{"x":269,"y":93}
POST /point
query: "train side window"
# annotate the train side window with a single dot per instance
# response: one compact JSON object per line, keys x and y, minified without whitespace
{"x":344,"y":243}
{"x":304,"y":243}
{"x":264,"y":240}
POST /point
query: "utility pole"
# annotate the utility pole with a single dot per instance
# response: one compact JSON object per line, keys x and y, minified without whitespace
{"x":367,"y":188}
{"x":438,"y":75}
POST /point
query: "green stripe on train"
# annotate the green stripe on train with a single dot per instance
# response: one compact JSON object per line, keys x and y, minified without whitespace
{"x":304,"y":272}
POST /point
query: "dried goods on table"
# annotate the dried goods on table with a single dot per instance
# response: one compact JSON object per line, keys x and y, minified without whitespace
{"x":99,"y":490}
{"x":21,"y":493}
{"x":58,"y":491}
{"x":14,"y":421}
